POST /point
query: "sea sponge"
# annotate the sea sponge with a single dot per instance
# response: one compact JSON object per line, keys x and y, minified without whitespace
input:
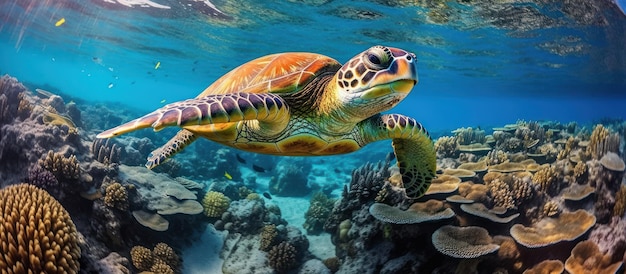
{"x":282,"y":257}
{"x":115,"y":195}
{"x":215,"y":204}
{"x":37,"y":234}
{"x":269,"y":234}
{"x":63,"y":168}
{"x":463,"y":242}
{"x":587,"y":258}
{"x":141,"y":257}
{"x":548,"y":231}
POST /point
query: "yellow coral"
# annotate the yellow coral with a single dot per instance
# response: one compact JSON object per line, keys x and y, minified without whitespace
{"x":63,"y":168}
{"x":550,"y":209}
{"x":141,"y":257}
{"x":37,"y":234}
{"x":546,"y":178}
{"x":115,"y":195}
{"x":215,"y":203}
{"x":268,"y":237}
{"x":165,"y":253}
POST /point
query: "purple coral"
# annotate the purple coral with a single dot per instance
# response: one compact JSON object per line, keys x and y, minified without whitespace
{"x":42,"y":178}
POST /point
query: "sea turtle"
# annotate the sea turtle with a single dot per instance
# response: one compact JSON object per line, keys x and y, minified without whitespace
{"x":304,"y":104}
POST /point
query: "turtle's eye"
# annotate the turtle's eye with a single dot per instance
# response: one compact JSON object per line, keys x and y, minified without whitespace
{"x":377,"y":58}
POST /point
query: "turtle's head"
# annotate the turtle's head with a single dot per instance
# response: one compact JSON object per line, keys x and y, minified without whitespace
{"x":376,"y":80}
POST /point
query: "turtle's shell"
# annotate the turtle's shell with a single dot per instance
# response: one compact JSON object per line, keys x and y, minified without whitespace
{"x":276,"y":73}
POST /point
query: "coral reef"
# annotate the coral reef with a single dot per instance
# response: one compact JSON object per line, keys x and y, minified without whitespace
{"x":586,"y":258}
{"x":318,"y":212}
{"x":549,"y":231}
{"x":463,"y":242}
{"x":36,"y":232}
{"x":161,"y":259}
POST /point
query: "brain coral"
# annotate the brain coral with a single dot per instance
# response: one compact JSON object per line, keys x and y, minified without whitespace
{"x":567,"y":227}
{"x":37,"y":234}
{"x":215,"y":203}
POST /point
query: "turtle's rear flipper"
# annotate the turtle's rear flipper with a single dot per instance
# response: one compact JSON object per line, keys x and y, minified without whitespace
{"x":182,"y":139}
{"x":211,"y":109}
{"x":413,"y":147}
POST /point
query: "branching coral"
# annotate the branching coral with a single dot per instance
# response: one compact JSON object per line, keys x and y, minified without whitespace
{"x":42,"y":178}
{"x":495,"y":157}
{"x":142,"y":258}
{"x":547,"y":179}
{"x":215,"y":203}
{"x":106,"y":151}
{"x":37,"y":234}
{"x":501,"y":194}
{"x":466,"y":136}
{"x":165,"y":253}
{"x":446,"y":146}
{"x":601,"y":142}
{"x":282,"y":257}
{"x":115,"y":195}
{"x":318,"y":212}
{"x":63,"y":168}
{"x":550,"y":209}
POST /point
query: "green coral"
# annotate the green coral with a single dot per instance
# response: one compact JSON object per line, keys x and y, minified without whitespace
{"x":215,"y":204}
{"x":319,"y":210}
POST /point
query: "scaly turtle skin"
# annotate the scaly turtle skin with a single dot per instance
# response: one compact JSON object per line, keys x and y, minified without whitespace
{"x":304,"y":104}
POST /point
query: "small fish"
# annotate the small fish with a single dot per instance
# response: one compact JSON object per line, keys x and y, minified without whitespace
{"x":228,"y":176}
{"x":110,"y":85}
{"x":158,"y":64}
{"x":163,"y":101}
{"x":241,"y":160}
{"x":60,"y":22}
{"x":267,"y":195}
{"x":258,"y":168}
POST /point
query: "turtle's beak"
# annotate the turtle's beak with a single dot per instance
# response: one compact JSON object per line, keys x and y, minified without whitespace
{"x":403,"y":86}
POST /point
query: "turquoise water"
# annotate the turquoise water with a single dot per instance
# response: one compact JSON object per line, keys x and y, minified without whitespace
{"x":482,"y":65}
{"x":542,"y":190}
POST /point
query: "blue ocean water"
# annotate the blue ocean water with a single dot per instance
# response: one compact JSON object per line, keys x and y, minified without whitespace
{"x":480,"y":64}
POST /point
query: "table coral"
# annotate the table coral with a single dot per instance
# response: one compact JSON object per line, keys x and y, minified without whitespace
{"x":587,"y":258}
{"x":215,"y":203}
{"x":463,"y":242}
{"x":432,"y":210}
{"x":36,"y":233}
{"x":548,"y":231}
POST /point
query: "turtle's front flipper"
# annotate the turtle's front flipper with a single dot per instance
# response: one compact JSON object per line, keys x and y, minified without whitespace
{"x":413,"y":148}
{"x":211,"y":109}
{"x":182,"y":139}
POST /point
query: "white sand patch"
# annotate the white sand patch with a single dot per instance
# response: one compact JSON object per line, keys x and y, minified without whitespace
{"x":204,"y":255}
